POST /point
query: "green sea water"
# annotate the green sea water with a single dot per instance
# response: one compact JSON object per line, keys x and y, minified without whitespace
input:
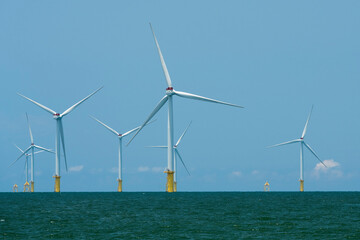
{"x":189,"y":215}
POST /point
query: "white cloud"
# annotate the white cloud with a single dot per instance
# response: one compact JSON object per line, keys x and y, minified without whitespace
{"x":329,"y":164}
{"x":76,"y":168}
{"x":143,"y":169}
{"x":329,"y":169}
{"x":236,"y":174}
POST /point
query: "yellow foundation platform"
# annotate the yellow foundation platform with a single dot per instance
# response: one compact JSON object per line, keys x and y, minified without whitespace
{"x":26,"y":187}
{"x":119,"y":185}
{"x":57,"y":184}
{"x":32,"y":187}
{"x":266,"y":186}
{"x":170,"y":181}
{"x":301,"y":185}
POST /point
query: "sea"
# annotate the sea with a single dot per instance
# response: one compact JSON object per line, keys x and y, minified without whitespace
{"x":181,"y":215}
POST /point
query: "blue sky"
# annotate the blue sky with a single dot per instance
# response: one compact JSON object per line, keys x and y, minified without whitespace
{"x":276,"y":58}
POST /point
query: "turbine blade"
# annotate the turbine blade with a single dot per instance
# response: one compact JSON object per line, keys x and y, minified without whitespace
{"x":285,"y":143}
{"x":25,"y":163}
{"x":167,"y":76}
{"x":40,"y":105}
{"x":22,"y":154}
{"x":182,"y":135}
{"x":177,"y":153}
{"x":313,"y":152}
{"x":132,"y":130}
{"x":38,"y":152}
{"x":157,"y":108}
{"x":19,"y":148}
{"x":156,"y":146}
{"x":78,"y":103}
{"x":307,"y":122}
{"x":106,"y":126}
{"x":31,"y":136}
{"x":44,"y":149}
{"x":62,"y":141}
{"x":197,"y":97}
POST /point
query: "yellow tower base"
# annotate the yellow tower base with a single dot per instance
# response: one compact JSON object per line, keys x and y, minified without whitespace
{"x":175,"y":187}
{"x":119,"y":185}
{"x":26,"y":187}
{"x":301,"y":185}
{"x":57,"y":183}
{"x":32,"y":186}
{"x":170,"y":181}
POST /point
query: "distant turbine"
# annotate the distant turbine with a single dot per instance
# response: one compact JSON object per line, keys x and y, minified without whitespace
{"x":27,"y":168}
{"x":168,"y":98}
{"x":302,"y":143}
{"x":120,"y":136}
{"x":59,"y":134}
{"x":32,"y":148}
{"x":178,"y":154}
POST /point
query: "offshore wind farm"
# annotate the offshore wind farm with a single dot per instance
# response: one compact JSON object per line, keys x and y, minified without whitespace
{"x":201,"y":170}
{"x":228,"y":60}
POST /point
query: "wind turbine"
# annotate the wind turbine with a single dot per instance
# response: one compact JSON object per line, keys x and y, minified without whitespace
{"x":26,"y":185}
{"x":120,"y":137}
{"x":59,"y":134}
{"x":302,"y":144}
{"x":170,"y":92}
{"x":176,"y":154}
{"x":32,"y":147}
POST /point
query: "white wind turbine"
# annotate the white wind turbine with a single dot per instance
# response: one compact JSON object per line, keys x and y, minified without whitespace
{"x":170,"y":92}
{"x":302,"y":143}
{"x":177,"y":153}
{"x":120,"y":137}
{"x":27,"y":155}
{"x":32,"y":147}
{"x":59,"y":133}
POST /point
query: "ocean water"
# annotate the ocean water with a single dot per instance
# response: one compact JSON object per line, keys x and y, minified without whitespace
{"x":189,"y":215}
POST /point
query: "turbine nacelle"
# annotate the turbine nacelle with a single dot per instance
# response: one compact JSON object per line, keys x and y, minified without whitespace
{"x":56,"y":115}
{"x":170,"y":91}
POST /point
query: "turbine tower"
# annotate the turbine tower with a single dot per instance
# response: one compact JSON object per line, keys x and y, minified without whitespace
{"x":170,"y":92}
{"x":59,"y":134}
{"x":177,"y":153}
{"x":302,"y":144}
{"x":32,"y":147}
{"x":120,"y":137}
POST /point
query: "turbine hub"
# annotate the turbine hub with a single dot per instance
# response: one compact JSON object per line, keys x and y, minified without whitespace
{"x":302,"y":138}
{"x":120,"y":135}
{"x":56,"y":115}
{"x":170,"y":91}
{"x":32,"y":144}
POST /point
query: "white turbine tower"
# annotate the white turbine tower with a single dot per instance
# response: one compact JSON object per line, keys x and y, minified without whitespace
{"x":59,"y":134}
{"x":32,"y":147}
{"x":120,"y":137}
{"x":177,"y":153}
{"x":170,"y":92}
{"x":302,"y":143}
{"x":26,"y":185}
